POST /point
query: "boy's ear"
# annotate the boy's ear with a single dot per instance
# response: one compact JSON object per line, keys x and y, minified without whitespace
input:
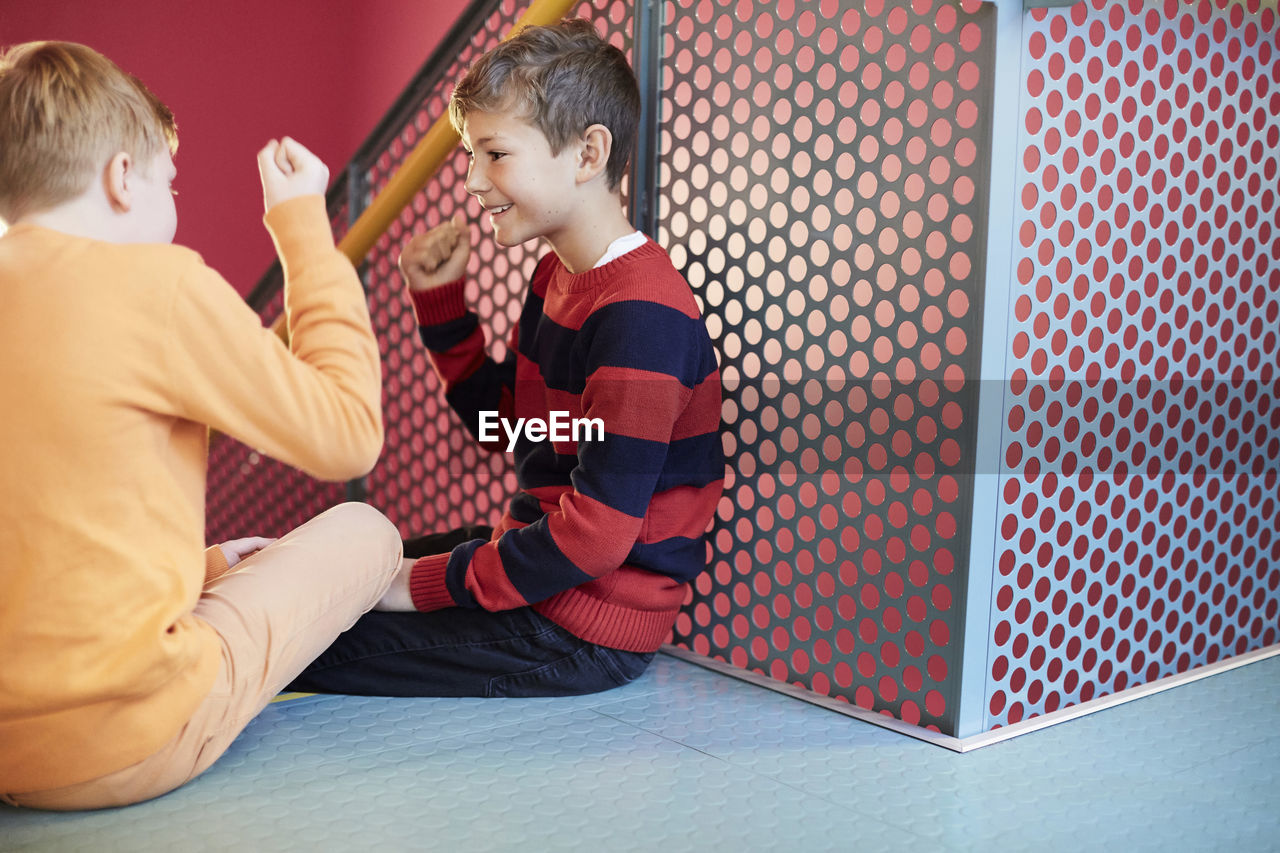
{"x":594,"y":149}
{"x":117,"y":179}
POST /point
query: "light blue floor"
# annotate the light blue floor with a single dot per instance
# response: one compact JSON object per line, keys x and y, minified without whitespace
{"x":686,"y":759}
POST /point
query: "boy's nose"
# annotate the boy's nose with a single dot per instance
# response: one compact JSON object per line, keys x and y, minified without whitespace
{"x":475,"y":183}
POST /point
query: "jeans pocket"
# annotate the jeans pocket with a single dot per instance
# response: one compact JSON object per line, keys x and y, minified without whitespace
{"x":624,"y":667}
{"x":573,"y":675}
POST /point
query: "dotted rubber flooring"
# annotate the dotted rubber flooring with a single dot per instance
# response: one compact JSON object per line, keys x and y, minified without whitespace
{"x":685,"y":759}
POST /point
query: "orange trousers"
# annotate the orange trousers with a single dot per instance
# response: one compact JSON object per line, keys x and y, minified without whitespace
{"x":275,"y":611}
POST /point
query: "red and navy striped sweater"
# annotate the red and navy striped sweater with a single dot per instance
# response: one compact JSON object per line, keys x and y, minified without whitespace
{"x":604,"y":535}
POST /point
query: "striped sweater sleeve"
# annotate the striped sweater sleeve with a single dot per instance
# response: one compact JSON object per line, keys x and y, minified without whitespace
{"x":472,"y":380}
{"x":643,"y":363}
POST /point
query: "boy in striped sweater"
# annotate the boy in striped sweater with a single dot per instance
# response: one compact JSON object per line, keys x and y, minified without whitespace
{"x":609,"y":400}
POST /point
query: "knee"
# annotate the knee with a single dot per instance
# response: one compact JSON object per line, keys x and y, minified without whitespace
{"x":366,"y":524}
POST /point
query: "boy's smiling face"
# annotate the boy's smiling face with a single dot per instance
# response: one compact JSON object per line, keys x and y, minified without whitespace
{"x":527,"y":191}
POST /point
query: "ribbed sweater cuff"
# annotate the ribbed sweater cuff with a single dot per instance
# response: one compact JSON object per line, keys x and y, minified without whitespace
{"x":426,"y":583}
{"x":215,"y":564}
{"x":440,"y":304}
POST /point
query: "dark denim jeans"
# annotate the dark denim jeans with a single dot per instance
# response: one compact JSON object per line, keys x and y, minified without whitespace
{"x":465,"y":652}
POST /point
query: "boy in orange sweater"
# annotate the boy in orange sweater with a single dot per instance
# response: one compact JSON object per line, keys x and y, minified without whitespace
{"x":132,"y":655}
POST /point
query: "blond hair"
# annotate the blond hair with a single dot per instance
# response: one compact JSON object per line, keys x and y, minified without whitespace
{"x":65,"y":110}
{"x":561,"y":79}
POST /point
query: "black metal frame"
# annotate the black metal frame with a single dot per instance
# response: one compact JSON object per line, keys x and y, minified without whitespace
{"x":646,"y":59}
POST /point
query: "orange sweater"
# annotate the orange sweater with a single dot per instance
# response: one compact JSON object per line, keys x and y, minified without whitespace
{"x":113,"y":359}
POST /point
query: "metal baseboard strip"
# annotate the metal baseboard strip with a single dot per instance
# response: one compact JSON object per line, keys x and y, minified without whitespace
{"x":918,"y":732}
{"x":1127,"y":695}
{"x":972,"y":742}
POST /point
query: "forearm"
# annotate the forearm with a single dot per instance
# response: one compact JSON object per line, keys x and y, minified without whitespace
{"x":330,"y":329}
{"x":473,"y":382}
{"x":589,"y":525}
{"x":318,"y":407}
{"x":562,"y":550}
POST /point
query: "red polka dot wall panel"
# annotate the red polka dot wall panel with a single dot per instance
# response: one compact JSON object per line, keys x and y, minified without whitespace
{"x":1138,"y":533}
{"x":822,"y":183}
{"x":996,"y":299}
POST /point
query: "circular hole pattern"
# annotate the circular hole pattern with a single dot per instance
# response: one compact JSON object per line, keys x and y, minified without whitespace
{"x":1138,"y":515}
{"x":818,"y":189}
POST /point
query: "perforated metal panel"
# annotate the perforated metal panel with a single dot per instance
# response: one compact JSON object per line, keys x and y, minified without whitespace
{"x":822,"y":171}
{"x":822,"y":181}
{"x":1139,"y":525}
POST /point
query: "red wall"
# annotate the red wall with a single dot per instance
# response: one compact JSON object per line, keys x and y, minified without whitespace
{"x":236,"y":73}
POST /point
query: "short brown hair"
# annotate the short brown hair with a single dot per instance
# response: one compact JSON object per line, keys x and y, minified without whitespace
{"x":65,"y":110}
{"x":561,"y":79}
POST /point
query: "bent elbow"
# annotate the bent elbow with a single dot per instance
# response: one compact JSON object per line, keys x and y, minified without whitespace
{"x":356,"y":457}
{"x":364,"y":463}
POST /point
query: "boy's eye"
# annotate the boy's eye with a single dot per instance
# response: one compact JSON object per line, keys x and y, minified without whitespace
{"x":497,"y":155}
